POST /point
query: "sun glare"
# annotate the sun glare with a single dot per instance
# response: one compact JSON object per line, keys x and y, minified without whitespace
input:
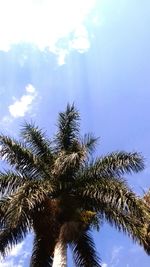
{"x":40,"y":22}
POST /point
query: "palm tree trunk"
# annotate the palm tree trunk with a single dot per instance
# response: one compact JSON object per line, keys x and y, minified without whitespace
{"x":60,"y":254}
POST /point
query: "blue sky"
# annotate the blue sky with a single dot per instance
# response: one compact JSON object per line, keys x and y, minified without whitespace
{"x":93,"y":53}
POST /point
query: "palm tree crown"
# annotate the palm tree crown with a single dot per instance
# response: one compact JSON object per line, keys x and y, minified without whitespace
{"x":58,"y":190}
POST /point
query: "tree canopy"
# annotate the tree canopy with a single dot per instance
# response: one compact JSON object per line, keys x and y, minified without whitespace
{"x":57,"y":189}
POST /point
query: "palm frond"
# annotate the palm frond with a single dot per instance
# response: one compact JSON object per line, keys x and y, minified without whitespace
{"x":4,"y":204}
{"x":89,"y":142}
{"x":67,"y":163}
{"x":42,"y":252}
{"x":84,"y":252}
{"x":11,"y":236}
{"x":118,"y":163}
{"x":18,"y":156}
{"x":16,"y":212}
{"x":135,"y":227}
{"x":37,"y":142}
{"x":10,"y":181}
{"x":112,"y":190}
{"x":124,"y":211}
{"x":23,"y":202}
{"x":68,"y":128}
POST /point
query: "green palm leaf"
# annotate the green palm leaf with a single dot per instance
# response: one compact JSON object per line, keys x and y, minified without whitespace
{"x":11,"y":236}
{"x":89,"y":142}
{"x":41,"y":253}
{"x":10,"y":181}
{"x":38,"y":142}
{"x":68,"y":128}
{"x":84,"y":251}
{"x":18,"y":156}
{"x":22,"y":203}
{"x":111,"y":190}
{"x":119,"y":163}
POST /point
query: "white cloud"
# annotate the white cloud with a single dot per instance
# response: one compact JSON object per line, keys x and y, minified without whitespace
{"x":104,"y":265}
{"x":30,"y":88}
{"x":80,"y":41}
{"x":62,"y":56}
{"x":41,"y":22}
{"x":20,"y":107}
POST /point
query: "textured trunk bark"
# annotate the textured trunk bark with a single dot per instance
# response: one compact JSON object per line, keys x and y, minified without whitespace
{"x":60,"y":255}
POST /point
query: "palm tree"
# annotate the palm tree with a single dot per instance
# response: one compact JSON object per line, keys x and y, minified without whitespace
{"x":56,"y":189}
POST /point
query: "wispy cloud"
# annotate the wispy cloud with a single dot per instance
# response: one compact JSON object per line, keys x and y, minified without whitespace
{"x":6,"y":120}
{"x":115,"y":256}
{"x":21,"y":106}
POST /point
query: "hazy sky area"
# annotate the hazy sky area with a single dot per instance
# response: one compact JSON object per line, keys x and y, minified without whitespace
{"x":97,"y":55}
